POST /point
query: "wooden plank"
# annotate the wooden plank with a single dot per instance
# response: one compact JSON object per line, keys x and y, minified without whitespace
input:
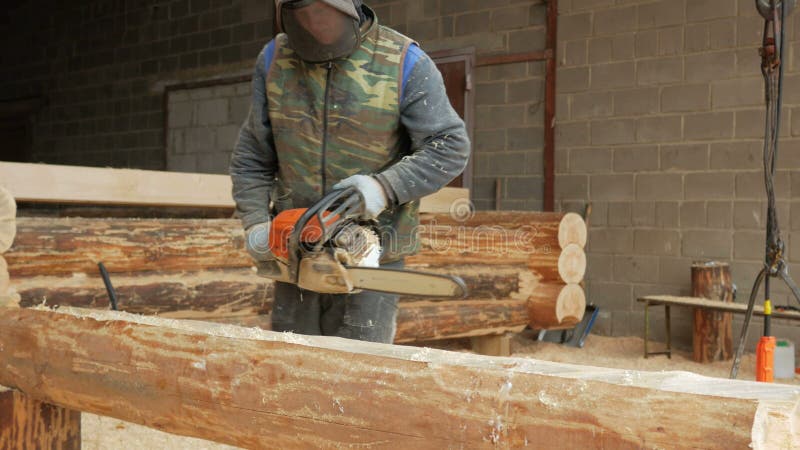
{"x":26,"y":423}
{"x":277,"y":390}
{"x":715,"y":305}
{"x":104,"y":186}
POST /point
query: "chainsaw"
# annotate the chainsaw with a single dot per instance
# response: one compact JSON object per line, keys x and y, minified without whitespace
{"x":327,"y":249}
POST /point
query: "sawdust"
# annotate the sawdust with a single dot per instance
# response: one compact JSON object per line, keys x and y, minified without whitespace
{"x":620,"y":352}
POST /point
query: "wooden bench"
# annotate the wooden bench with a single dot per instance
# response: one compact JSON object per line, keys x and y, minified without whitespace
{"x":696,"y":302}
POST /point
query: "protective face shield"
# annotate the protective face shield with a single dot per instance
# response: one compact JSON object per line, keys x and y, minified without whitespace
{"x":320,"y":30}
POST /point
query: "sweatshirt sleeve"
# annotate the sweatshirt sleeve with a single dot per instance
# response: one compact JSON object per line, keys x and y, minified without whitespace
{"x":254,"y":162}
{"x":440,"y":145}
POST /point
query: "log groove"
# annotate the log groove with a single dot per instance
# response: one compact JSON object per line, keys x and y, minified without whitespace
{"x":26,"y":423}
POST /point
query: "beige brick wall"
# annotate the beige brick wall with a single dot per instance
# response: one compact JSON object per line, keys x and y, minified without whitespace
{"x":659,"y":126}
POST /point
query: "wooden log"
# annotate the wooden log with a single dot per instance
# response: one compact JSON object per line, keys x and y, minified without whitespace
{"x":8,"y":214}
{"x":47,"y":246}
{"x":426,"y":320}
{"x":277,"y":390}
{"x":26,"y":423}
{"x":713,"y":332}
{"x":104,"y":186}
{"x":565,"y":312}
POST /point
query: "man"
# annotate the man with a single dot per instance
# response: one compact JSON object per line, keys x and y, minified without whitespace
{"x":340,"y":101}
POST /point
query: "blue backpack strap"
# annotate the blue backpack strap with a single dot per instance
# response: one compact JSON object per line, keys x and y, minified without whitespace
{"x":413,"y":55}
{"x":269,"y":55}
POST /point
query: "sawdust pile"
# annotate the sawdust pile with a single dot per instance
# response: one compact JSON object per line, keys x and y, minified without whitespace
{"x":621,"y":352}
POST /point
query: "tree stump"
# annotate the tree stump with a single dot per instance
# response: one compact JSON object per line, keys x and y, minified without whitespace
{"x":713,"y":334}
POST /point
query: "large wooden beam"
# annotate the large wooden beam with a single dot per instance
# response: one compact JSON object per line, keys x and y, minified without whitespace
{"x":260,"y":389}
{"x":8,"y":214}
{"x":104,"y":186}
{"x":26,"y":423}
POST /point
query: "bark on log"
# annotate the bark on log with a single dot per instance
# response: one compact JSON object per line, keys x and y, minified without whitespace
{"x":26,"y":423}
{"x":47,"y":246}
{"x":566,"y":311}
{"x":277,"y":390}
{"x":713,"y":333}
{"x":8,"y":214}
{"x":427,"y":320}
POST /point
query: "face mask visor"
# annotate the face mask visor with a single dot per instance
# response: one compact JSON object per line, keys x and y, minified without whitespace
{"x":319,"y":32}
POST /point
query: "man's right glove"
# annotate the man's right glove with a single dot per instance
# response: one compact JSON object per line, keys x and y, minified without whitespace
{"x":372,"y":193}
{"x":257,"y":242}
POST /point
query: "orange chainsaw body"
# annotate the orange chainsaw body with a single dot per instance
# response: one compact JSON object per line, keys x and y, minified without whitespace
{"x":283,"y":225}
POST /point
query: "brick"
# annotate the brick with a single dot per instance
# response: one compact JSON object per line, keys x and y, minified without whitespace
{"x":562,"y":107}
{"x":684,"y":157}
{"x":685,"y":98}
{"x":574,"y":53}
{"x":667,"y":214}
{"x":572,"y":79}
{"x":592,"y":104}
{"x":525,"y":187}
{"x":490,"y":93}
{"x":646,"y":44}
{"x":693,"y":215}
{"x":709,"y":185}
{"x":616,"y":131}
{"x":713,"y":125}
{"x":659,"y":129}
{"x":696,"y":37}
{"x":180,"y":115}
{"x":750,"y":124}
{"x":619,"y":214}
{"x":720,"y":214}
{"x":507,"y":163}
{"x":510,"y":18}
{"x":574,"y":26}
{"x":200,"y":139}
{"x":525,"y":40}
{"x":611,"y":187}
{"x":526,"y":91}
{"x":661,"y":13}
{"x":489,"y":141}
{"x":710,"y":66}
{"x":612,"y":296}
{"x":636,"y":269}
{"x":659,"y":71}
{"x":615,"y":21}
{"x":657,"y":242}
{"x":471,"y":23}
{"x":670,"y":41}
{"x":613,"y":75}
{"x":525,"y":138}
{"x":599,"y":268}
{"x":722,"y":34}
{"x":707,"y":244}
{"x":572,"y":187}
{"x":590,"y":160}
{"x":736,"y":155}
{"x":751,"y":185}
{"x":749,"y":215}
{"x":600,"y":50}
{"x":738,"y":92}
{"x":634,"y":102}
{"x":635,"y":159}
{"x":675,"y":271}
{"x":643,"y":214}
{"x":659,"y":186}
{"x":748,"y":245}
{"x":501,"y":116}
{"x":572,"y":134}
{"x":700,"y":10}
{"x":623,"y":46}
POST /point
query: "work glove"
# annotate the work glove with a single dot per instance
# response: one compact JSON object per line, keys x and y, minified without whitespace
{"x":257,"y":242}
{"x":372,"y":193}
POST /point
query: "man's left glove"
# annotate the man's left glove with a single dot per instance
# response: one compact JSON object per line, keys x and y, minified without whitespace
{"x":257,"y":242}
{"x":375,"y":200}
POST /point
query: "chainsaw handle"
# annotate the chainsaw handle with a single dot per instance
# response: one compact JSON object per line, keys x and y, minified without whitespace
{"x":351,"y":206}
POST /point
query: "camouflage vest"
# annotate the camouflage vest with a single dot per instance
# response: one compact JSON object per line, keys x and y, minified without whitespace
{"x":331,"y":121}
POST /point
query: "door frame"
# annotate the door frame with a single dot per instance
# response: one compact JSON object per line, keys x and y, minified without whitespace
{"x":467,"y":55}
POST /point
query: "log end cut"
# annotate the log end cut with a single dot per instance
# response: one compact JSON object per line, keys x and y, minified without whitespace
{"x":8,"y":214}
{"x":572,"y":230}
{"x":572,"y":264}
{"x":565,"y":312}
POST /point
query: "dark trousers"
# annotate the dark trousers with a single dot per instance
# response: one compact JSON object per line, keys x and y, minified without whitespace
{"x":366,"y":316}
